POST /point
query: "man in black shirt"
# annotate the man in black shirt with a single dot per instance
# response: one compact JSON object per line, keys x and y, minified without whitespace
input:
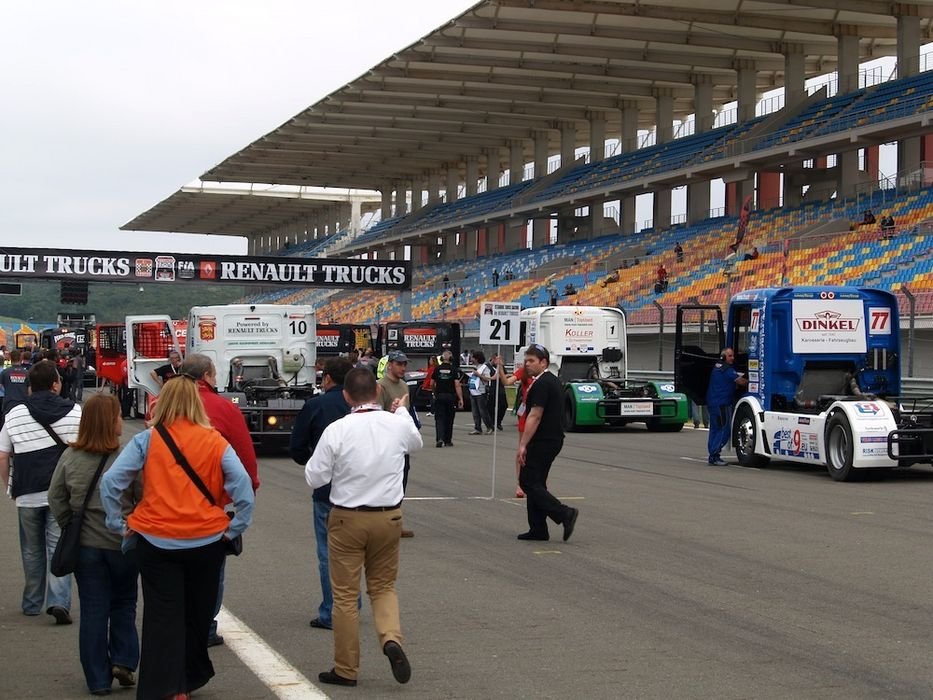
{"x":167,"y":371}
{"x":448,"y":397}
{"x":539,"y":445}
{"x":15,"y":380}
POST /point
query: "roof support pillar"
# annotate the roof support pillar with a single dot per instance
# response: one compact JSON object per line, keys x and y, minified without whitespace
{"x":629,"y":136}
{"x":746,"y":89}
{"x":472,"y":175}
{"x":356,"y":214}
{"x":664,"y":110}
{"x":493,"y":164}
{"x":453,"y":182}
{"x":516,"y":161}
{"x":434,"y":186}
{"x":568,"y":142}
{"x":664,"y":123}
{"x":794,"y":76}
{"x":417,"y":194}
{"x":627,"y":214}
{"x":847,"y":59}
{"x":908,"y":63}
{"x":400,"y":197}
{"x":386,"y":204}
{"x":703,"y":104}
{"x":908,"y":42}
{"x":698,"y":193}
{"x":542,"y":144}
{"x":597,"y":136}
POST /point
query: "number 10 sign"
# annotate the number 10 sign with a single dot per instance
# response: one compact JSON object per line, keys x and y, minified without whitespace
{"x":498,"y":322}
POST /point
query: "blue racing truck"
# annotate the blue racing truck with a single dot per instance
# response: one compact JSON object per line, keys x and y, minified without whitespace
{"x":823,"y":369}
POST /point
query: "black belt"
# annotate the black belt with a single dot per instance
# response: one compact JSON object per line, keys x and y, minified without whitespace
{"x":369,"y":509}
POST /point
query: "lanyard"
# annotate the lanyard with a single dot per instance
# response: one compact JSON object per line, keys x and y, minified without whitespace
{"x":364,"y":407}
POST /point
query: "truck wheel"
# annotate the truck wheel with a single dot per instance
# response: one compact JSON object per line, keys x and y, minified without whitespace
{"x":570,"y":414}
{"x":839,"y":448}
{"x":744,"y":436}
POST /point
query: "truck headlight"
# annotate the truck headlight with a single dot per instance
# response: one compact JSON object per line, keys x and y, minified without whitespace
{"x":272,"y":420}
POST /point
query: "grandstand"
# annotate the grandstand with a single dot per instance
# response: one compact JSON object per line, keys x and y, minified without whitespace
{"x":456,"y":133}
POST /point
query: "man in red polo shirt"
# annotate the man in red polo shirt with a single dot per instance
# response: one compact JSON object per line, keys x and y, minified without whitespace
{"x":227,"y":420}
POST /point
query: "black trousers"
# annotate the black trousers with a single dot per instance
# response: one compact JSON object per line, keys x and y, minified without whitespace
{"x":497,"y":413}
{"x":532,"y":478}
{"x":445,"y":409}
{"x":179,"y":594}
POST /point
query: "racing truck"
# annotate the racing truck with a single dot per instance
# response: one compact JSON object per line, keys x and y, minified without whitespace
{"x":588,"y":353}
{"x":823,"y":370}
{"x":264,"y":355}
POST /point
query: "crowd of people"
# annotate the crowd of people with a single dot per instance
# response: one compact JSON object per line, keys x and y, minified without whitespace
{"x":167,"y":507}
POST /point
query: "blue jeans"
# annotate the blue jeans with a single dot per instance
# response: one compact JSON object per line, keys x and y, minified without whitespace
{"x":107,"y":590}
{"x":326,"y":608}
{"x":720,"y":418}
{"x":38,"y":535}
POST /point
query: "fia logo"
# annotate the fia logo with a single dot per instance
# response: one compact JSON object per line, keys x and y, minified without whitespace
{"x":186,"y":269}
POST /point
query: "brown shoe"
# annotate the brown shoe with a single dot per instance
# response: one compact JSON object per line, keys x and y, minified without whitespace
{"x":407,"y":533}
{"x":124,"y":676}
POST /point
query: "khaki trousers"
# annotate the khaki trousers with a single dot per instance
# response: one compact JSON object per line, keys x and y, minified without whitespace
{"x":358,"y":540}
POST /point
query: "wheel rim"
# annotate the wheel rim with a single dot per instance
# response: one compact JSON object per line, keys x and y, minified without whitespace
{"x":745,"y":437}
{"x":838,"y":447}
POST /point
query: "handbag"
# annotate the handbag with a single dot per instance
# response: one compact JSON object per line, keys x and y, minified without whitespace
{"x":233,"y":547}
{"x":68,"y":549}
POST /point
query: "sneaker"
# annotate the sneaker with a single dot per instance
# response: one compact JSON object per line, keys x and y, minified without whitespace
{"x":448,"y":444}
{"x":718,"y":463}
{"x":439,"y":444}
{"x":696,"y":426}
{"x":490,"y":431}
{"x":475,"y":432}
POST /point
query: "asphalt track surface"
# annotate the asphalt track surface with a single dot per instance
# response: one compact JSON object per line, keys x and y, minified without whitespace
{"x":681,"y":581}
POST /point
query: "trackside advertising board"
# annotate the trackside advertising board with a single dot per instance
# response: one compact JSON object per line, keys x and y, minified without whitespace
{"x":829,"y":326}
{"x":113,"y":266}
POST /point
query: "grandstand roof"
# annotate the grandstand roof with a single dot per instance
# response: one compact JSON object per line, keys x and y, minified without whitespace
{"x":505,"y":69}
{"x":218,"y":209}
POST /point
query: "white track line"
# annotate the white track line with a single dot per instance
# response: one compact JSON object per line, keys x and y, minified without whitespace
{"x":270,"y":667}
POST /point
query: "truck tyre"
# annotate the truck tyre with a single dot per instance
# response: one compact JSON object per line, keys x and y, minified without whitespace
{"x":570,"y":414}
{"x":745,"y":437}
{"x":839,"y":448}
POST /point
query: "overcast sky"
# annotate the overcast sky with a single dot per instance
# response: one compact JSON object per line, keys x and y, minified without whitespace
{"x":110,"y":106}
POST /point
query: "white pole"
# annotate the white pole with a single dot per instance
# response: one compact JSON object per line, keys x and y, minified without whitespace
{"x":495,"y":424}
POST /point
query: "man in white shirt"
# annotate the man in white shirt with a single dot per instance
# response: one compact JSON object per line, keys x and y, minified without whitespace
{"x":362,"y":456}
{"x":37,"y":431}
{"x":480,"y":377}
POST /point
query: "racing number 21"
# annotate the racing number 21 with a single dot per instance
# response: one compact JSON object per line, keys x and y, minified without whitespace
{"x":499,"y":326}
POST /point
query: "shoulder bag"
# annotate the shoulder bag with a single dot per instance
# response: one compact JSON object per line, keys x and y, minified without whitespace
{"x":231,"y":546}
{"x":67,"y":551}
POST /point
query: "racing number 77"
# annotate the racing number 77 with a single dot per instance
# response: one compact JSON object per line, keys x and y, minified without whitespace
{"x":879,"y":319}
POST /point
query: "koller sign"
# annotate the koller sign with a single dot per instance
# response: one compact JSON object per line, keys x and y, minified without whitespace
{"x":111,"y":266}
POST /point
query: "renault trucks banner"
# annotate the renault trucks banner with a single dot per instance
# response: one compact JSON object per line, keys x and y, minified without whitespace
{"x":111,"y":266}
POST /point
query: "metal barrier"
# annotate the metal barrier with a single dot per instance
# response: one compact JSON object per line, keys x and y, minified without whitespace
{"x":910,"y":387}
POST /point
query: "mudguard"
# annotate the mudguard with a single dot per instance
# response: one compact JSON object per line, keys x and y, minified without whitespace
{"x":586,"y":397}
{"x":681,"y":412}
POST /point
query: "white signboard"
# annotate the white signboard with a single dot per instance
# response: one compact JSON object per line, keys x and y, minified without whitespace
{"x":828,"y":326}
{"x":498,"y":322}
